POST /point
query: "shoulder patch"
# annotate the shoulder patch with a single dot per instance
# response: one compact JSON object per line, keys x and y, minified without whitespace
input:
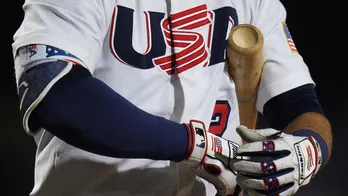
{"x":289,"y":38}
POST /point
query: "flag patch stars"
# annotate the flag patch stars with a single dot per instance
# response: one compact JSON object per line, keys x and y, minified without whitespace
{"x":268,"y":166}
{"x":271,"y":183}
{"x":268,"y":146}
{"x":53,"y":52}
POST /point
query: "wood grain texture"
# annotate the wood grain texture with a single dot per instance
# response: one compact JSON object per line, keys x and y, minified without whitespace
{"x":245,"y":63}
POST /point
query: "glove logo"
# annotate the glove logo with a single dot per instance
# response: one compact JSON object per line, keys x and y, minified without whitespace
{"x":200,"y":134}
{"x":305,"y":153}
{"x":234,"y":148}
{"x":310,"y":158}
{"x":300,"y":160}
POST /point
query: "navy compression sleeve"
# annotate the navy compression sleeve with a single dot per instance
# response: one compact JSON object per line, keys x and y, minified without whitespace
{"x":86,"y":113}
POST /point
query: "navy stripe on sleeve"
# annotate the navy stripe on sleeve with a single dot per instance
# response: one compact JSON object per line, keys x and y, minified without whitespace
{"x":284,"y":108}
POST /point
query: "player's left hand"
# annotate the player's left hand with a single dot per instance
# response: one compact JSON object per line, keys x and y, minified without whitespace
{"x":275,"y":163}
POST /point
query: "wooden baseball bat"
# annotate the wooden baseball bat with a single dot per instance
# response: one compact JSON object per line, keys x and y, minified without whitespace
{"x":245,"y":63}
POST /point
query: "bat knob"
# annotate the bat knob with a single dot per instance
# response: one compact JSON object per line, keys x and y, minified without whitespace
{"x":245,"y":38}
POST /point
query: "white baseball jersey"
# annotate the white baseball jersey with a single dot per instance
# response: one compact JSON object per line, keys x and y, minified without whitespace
{"x":131,"y":45}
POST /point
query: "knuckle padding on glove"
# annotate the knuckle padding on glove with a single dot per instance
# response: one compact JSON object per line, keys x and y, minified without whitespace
{"x":264,"y":147}
{"x":265,"y":166}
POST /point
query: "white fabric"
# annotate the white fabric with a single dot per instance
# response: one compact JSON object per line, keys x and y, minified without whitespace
{"x":85,"y":29}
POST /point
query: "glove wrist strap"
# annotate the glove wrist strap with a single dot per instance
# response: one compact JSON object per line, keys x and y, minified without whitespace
{"x":197,"y":146}
{"x":318,"y":143}
{"x":318,"y":154}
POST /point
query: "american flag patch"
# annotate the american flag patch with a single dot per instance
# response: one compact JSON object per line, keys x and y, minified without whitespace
{"x":289,"y":38}
{"x":217,"y":145}
{"x":53,"y":52}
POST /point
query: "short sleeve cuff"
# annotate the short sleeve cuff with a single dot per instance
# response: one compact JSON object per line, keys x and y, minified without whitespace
{"x":265,"y":93}
{"x":56,"y":41}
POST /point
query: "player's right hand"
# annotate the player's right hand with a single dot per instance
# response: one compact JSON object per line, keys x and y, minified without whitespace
{"x":201,"y":157}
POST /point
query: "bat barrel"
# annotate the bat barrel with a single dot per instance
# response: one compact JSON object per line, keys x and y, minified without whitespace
{"x":245,"y":63}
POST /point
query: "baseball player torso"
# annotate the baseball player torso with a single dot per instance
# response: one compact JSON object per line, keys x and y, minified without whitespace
{"x":137,"y":62}
{"x":179,"y":74}
{"x":179,"y":83}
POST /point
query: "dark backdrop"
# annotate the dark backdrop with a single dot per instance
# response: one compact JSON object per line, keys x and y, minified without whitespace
{"x":317,"y":31}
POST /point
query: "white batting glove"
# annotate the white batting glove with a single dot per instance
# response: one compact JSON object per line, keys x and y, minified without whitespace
{"x":202,"y":151}
{"x":275,"y":163}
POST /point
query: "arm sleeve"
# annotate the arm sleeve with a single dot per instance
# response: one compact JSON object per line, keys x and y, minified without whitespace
{"x":284,"y":67}
{"x":77,"y":26}
{"x":86,"y":113}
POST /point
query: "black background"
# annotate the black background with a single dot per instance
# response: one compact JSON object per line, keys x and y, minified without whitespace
{"x":318,"y":31}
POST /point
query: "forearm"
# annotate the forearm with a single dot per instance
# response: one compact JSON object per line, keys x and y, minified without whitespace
{"x":86,"y":113}
{"x":298,"y":112}
{"x":315,"y":122}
